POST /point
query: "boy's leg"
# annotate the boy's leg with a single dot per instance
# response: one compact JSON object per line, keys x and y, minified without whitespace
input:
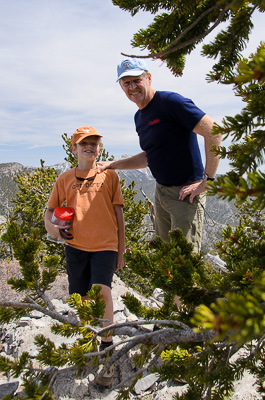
{"x":107,"y":297}
{"x":103,"y":265}
{"x":78,"y":270}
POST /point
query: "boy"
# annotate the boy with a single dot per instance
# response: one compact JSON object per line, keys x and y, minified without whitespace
{"x":98,"y":243}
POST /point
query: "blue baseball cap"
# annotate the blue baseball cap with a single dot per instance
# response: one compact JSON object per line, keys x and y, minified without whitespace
{"x":131,"y":67}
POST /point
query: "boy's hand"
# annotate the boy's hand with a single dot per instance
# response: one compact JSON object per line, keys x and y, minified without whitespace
{"x":120,"y":264}
{"x":53,"y":230}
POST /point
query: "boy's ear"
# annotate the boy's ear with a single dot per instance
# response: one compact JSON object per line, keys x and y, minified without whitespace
{"x":73,"y":149}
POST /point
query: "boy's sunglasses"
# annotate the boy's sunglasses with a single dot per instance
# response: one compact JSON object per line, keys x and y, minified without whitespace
{"x":65,"y":234}
{"x":91,"y":178}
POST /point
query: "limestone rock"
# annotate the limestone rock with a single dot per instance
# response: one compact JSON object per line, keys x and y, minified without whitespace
{"x":8,"y":388}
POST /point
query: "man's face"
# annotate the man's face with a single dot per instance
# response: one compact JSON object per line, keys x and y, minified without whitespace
{"x":138,"y":88}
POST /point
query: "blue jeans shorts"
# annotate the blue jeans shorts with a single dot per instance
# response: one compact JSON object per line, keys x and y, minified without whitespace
{"x":87,"y":268}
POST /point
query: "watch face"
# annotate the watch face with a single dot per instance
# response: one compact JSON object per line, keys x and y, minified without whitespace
{"x":205,"y":177}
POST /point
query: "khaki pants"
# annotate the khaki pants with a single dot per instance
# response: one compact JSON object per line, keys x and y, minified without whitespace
{"x":172,"y":213}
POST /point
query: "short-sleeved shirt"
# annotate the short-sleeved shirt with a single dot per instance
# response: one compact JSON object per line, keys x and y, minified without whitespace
{"x":165,"y":128}
{"x":94,"y":225}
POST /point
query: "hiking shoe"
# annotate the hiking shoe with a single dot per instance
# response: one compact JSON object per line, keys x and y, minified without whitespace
{"x":107,"y":378}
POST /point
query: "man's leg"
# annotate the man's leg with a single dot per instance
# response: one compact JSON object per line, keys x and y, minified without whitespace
{"x":189,"y":217}
{"x":172,"y":213}
{"x":183,"y":214}
{"x":162,"y":217}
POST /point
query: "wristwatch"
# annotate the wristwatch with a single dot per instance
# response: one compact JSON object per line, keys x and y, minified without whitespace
{"x":205,"y":177}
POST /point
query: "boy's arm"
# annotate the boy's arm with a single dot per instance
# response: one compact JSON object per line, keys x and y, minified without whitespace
{"x":52,"y":229}
{"x":121,"y":236}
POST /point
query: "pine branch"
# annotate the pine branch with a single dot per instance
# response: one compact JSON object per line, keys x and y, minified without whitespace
{"x":251,"y":158}
{"x":173,"y":47}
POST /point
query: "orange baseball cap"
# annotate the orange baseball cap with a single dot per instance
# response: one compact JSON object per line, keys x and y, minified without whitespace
{"x":83,"y":132}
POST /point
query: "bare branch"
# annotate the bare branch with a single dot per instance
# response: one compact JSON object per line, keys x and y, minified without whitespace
{"x":143,"y":369}
{"x":127,"y":324}
{"x":51,"y":313}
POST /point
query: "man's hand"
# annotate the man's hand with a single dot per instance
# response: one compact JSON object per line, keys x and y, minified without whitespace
{"x":193,"y":190}
{"x":103,"y":165}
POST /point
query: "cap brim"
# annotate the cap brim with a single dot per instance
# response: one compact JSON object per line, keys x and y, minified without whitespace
{"x":83,"y":137}
{"x":131,"y":73}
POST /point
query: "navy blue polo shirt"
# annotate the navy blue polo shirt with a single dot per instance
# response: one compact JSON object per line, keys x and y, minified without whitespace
{"x":165,"y":129}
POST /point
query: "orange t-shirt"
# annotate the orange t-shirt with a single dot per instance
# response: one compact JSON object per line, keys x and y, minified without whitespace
{"x":94,"y":224}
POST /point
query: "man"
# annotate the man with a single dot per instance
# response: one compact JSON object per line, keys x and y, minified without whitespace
{"x":167,"y":125}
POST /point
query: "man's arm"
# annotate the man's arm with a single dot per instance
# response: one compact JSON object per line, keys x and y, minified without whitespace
{"x":135,"y":162}
{"x":204,"y":128}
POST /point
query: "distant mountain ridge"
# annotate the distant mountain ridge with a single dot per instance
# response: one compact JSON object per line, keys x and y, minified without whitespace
{"x":218,"y":213}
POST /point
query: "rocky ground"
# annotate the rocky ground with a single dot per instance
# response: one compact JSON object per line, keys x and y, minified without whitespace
{"x":16,"y":338}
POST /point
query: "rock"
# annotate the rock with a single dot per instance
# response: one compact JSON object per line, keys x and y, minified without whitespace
{"x":169,"y":392}
{"x":8,"y":388}
{"x":145,"y":383}
{"x":158,"y":294}
{"x":246,"y":391}
{"x":36,"y":314}
{"x":24,"y":321}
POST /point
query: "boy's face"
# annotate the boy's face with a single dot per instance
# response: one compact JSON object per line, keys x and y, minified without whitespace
{"x":88,"y":148}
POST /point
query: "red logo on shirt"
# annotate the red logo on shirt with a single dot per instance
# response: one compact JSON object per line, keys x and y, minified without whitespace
{"x":155,"y":121}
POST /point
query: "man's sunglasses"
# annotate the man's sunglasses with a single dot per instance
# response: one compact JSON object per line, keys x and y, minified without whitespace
{"x":91,"y":178}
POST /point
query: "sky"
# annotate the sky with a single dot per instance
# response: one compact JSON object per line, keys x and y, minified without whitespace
{"x":58,"y":62}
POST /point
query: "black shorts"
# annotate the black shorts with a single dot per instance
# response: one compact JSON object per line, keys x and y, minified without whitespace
{"x":87,"y":268}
